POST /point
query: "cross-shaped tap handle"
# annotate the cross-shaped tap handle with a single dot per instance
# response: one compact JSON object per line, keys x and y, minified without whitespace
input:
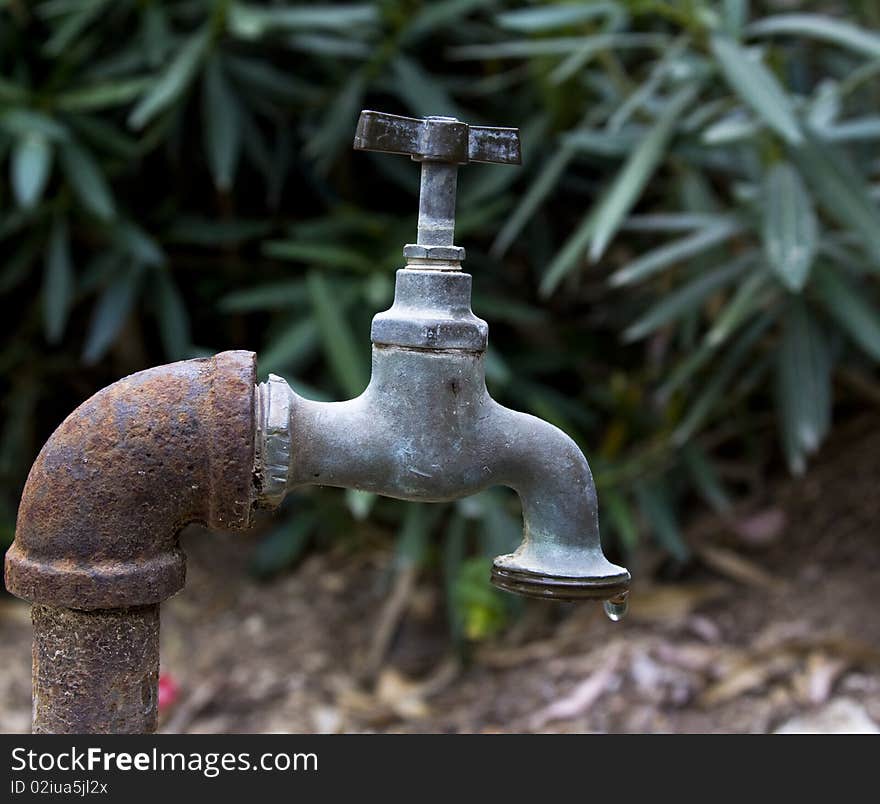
{"x":436,"y":139}
{"x":441,"y":144}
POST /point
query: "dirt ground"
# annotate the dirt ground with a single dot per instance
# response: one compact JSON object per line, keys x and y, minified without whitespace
{"x":775,"y":627}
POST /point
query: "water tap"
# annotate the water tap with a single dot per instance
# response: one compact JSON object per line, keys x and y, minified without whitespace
{"x":426,"y":428}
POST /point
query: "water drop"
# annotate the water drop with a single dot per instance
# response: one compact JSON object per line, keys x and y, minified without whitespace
{"x":616,"y":607}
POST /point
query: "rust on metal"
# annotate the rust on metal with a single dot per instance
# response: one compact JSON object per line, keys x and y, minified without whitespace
{"x":109,"y":492}
{"x":95,"y":672}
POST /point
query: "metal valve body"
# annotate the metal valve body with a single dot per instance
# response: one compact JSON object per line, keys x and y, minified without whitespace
{"x":426,"y":427}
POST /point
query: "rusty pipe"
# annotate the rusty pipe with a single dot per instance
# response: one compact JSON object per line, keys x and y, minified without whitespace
{"x":95,"y":672}
{"x":96,"y":542}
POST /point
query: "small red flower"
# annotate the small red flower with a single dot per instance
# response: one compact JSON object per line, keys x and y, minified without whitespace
{"x":168,"y":691}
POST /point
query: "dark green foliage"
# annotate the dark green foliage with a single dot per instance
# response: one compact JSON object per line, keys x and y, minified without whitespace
{"x":692,"y":244}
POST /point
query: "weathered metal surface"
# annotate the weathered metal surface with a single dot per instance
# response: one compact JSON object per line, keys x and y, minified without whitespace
{"x":436,"y":139}
{"x":95,"y":672}
{"x":273,"y":440}
{"x":426,"y":428}
{"x":109,"y":492}
{"x":441,"y":144}
{"x":431,"y":310}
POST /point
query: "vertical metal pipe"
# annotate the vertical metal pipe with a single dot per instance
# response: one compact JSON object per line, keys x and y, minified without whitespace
{"x":95,"y":672}
{"x":437,"y":204}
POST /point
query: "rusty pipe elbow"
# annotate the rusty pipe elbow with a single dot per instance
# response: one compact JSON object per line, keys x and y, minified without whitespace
{"x":111,"y":489}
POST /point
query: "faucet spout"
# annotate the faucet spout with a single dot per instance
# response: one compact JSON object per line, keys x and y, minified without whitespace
{"x":426,"y":429}
{"x":561,"y":553}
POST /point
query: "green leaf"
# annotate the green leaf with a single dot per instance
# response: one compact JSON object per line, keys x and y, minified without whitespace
{"x":859,"y":129}
{"x":719,"y":379}
{"x":338,"y":341}
{"x":422,"y":92}
{"x":616,"y":509}
{"x":583,"y":46}
{"x":593,"y":46}
{"x":327,"y":254}
{"x":639,"y":168}
{"x":454,"y":552}
{"x":736,"y":127}
{"x":87,"y":181}
{"x":803,"y":377}
{"x":685,"y":299}
{"x":284,"y":545}
{"x":330,"y":45}
{"x":109,"y":315}
{"x":173,"y":81}
{"x":481,"y":609}
{"x":100,"y":96}
{"x":736,"y":13}
{"x":222,"y":125}
{"x":602,"y":222}
{"x":11,"y":92}
{"x":673,"y":221}
{"x":58,"y":282}
{"x":684,"y":370}
{"x":72,"y":27}
{"x":818,"y":26}
{"x":675,"y":252}
{"x":271,"y":296}
{"x":758,"y":88}
{"x":98,"y":132}
{"x":438,"y":14}
{"x":30,"y":165}
{"x":17,"y":265}
{"x":849,"y":308}
{"x":339,"y":120}
{"x":747,"y":299}
{"x":216,"y":233}
{"x":705,"y":478}
{"x":130,"y":238}
{"x":658,"y":511}
{"x":543,"y":185}
{"x":789,"y":226}
{"x":549,"y":17}
{"x":154,"y":34}
{"x":840,"y":190}
{"x":605,"y":143}
{"x":252,"y":22}
{"x":287,"y":350}
{"x":260,"y":77}
{"x":414,"y":537}
{"x":21,"y":122}
{"x":172,"y":317}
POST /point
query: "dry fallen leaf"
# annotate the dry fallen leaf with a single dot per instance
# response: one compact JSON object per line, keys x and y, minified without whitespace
{"x":816,"y":683}
{"x":737,"y":568}
{"x":750,"y":674}
{"x":401,"y":695}
{"x":670,"y":604}
{"x":584,"y":694}
{"x":760,"y":529}
{"x":841,"y":716}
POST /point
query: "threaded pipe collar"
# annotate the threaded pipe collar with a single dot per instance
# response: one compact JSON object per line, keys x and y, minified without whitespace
{"x":273,"y":440}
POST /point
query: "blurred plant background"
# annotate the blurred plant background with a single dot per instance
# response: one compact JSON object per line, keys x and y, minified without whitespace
{"x":683,"y":275}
